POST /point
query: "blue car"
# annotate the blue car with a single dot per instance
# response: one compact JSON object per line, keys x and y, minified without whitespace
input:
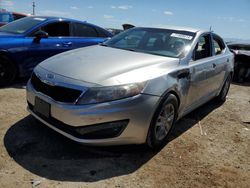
{"x":28,"y":41}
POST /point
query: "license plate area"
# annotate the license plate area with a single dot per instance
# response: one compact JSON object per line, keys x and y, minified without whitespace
{"x":42,"y":107}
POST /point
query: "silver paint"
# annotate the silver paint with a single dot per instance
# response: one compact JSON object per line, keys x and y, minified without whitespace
{"x":98,"y":66}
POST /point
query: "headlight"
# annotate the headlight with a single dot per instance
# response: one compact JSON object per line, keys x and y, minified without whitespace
{"x":110,"y":93}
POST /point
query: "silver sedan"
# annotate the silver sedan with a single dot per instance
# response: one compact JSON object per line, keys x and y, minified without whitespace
{"x":132,"y":88}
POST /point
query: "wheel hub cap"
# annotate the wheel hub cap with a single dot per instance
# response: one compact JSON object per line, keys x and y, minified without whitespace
{"x":164,"y":121}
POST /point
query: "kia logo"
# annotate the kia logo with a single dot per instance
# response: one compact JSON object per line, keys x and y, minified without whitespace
{"x":50,"y":76}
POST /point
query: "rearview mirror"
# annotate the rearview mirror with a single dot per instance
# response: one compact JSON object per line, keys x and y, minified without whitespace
{"x":39,"y":35}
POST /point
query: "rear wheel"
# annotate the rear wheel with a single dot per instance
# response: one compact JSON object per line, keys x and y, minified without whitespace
{"x":162,"y":122}
{"x":223,"y":93}
{"x":7,"y":71}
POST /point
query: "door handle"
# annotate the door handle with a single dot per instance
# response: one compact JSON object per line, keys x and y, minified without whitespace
{"x":67,"y":44}
{"x":214,"y":65}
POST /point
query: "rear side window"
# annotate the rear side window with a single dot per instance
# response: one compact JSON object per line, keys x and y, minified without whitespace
{"x":82,"y":30}
{"x":202,"y":49}
{"x":218,"y":45}
{"x":59,"y":29}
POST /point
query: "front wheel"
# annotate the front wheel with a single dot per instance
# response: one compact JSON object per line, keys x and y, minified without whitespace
{"x":7,"y":71}
{"x":162,"y":122}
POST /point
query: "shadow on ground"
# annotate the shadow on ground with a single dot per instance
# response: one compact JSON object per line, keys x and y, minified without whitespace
{"x":48,"y":154}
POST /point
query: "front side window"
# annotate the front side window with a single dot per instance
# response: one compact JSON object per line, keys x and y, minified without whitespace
{"x":202,"y":48}
{"x":82,"y":30}
{"x":163,"y":42}
{"x":22,"y":25}
{"x":58,"y":29}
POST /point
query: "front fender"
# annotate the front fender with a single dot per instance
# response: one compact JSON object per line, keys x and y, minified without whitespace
{"x":170,"y":83}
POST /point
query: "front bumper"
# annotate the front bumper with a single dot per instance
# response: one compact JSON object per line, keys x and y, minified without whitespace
{"x":138,"y":110}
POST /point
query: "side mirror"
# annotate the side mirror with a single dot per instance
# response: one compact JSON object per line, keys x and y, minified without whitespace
{"x":39,"y":35}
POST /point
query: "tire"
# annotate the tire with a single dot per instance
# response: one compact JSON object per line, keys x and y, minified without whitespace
{"x":7,"y":71}
{"x":162,"y":122}
{"x":224,"y":91}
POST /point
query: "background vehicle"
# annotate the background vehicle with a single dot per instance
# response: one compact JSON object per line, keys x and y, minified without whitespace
{"x":114,"y":31}
{"x":241,"y":51}
{"x":117,"y":31}
{"x":152,"y":78}
{"x":28,"y":41}
{"x":6,"y":17}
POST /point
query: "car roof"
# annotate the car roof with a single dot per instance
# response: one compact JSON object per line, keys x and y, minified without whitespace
{"x":179,"y":28}
{"x":49,"y":18}
{"x":55,"y":18}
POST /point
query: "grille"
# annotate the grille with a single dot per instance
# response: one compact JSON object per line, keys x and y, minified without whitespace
{"x":58,"y":93}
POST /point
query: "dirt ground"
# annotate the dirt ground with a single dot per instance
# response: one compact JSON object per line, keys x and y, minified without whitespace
{"x":209,"y":148}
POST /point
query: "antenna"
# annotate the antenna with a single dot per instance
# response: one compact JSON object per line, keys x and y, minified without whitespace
{"x":210,"y":29}
{"x":34,"y":6}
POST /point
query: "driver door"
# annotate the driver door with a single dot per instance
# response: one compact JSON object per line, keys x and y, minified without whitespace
{"x":58,"y":41}
{"x":200,"y":66}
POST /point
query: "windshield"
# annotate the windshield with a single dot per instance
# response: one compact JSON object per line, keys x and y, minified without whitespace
{"x":22,"y":25}
{"x":5,"y":17}
{"x":164,"y":42}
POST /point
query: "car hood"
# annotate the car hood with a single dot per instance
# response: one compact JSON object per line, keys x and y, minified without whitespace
{"x":108,"y":66}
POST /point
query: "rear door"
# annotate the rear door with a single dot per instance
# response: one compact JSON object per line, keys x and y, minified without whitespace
{"x":218,"y":71}
{"x":86,"y":35}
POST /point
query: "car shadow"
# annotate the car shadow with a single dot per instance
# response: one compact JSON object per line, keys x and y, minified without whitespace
{"x":50,"y":155}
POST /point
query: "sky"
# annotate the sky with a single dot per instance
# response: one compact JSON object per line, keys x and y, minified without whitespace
{"x":228,"y":18}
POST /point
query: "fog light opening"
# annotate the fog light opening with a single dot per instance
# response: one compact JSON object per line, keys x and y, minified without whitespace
{"x":104,"y":130}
